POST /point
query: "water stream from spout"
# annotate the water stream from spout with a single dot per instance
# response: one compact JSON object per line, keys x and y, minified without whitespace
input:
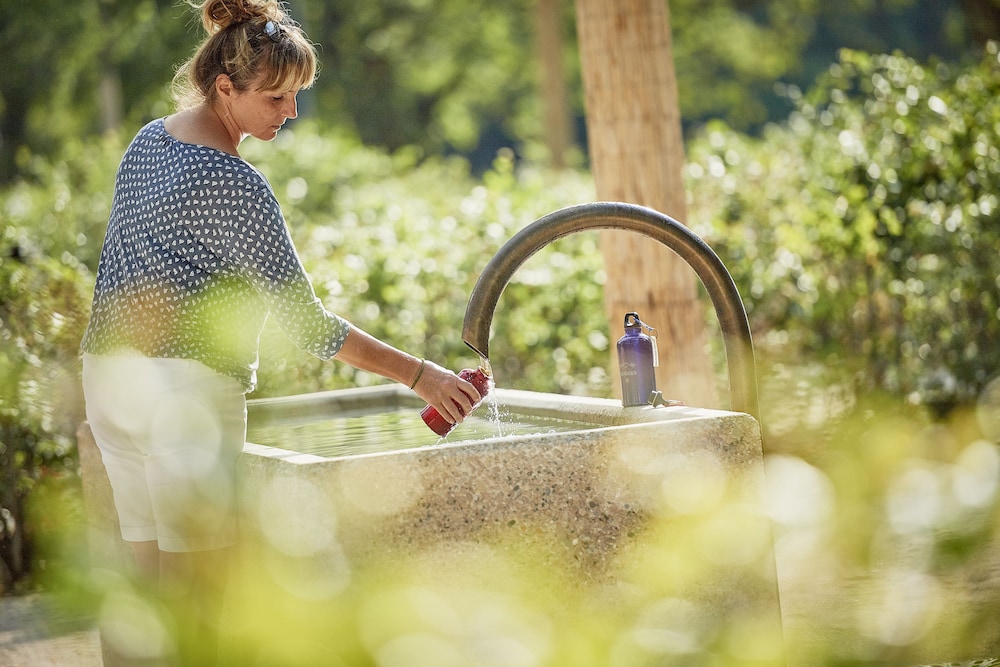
{"x":495,"y":414}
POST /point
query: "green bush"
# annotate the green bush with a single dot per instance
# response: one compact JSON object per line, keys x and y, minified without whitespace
{"x":39,"y":402}
{"x":52,"y":223}
{"x":864,"y":231}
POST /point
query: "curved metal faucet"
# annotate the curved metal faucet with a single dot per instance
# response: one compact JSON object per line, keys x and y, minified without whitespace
{"x":613,"y":215}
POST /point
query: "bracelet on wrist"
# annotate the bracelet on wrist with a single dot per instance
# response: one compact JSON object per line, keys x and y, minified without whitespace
{"x":420,"y":372}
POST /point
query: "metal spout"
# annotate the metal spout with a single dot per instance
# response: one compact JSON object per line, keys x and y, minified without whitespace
{"x":614,"y":215}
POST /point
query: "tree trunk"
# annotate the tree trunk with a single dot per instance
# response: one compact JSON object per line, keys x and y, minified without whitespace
{"x":983,"y":18}
{"x":549,"y":46}
{"x":636,"y":155}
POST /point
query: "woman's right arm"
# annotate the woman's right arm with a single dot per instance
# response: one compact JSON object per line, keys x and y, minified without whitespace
{"x":452,"y":396}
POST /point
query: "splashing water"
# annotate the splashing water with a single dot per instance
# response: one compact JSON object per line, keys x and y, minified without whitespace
{"x":498,"y":417}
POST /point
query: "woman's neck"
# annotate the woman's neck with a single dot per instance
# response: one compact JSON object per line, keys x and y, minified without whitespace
{"x":205,"y":125}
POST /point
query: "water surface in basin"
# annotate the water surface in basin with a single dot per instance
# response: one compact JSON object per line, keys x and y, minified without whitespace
{"x":397,"y":429}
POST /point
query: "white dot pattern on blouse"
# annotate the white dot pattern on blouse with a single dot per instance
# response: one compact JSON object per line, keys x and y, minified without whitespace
{"x":197,"y":254}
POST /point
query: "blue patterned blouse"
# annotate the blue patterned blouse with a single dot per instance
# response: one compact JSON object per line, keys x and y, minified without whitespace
{"x":197,"y":254}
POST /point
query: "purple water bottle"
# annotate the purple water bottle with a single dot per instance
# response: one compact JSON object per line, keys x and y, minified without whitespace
{"x":636,"y":360}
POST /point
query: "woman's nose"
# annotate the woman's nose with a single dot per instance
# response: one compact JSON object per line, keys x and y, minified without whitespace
{"x":292,"y":111}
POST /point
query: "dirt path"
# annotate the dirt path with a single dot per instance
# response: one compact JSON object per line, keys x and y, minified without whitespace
{"x":32,"y":634}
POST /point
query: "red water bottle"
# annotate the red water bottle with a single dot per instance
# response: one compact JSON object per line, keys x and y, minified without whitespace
{"x":479,"y":379}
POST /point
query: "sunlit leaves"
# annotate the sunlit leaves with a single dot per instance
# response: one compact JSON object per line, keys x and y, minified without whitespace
{"x":883,"y":182}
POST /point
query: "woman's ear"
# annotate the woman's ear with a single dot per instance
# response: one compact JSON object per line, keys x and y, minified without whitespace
{"x":224,"y":85}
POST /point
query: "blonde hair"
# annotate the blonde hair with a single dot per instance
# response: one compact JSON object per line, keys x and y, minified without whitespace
{"x":253,"y":42}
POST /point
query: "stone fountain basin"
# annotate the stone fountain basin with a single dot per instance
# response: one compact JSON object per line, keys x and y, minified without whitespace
{"x":595,"y":489}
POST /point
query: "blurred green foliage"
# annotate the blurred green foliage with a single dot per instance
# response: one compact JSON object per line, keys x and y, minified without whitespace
{"x":444,"y":75}
{"x":863,"y":232}
{"x":884,"y":540}
{"x":52,"y":223}
{"x":40,"y":298}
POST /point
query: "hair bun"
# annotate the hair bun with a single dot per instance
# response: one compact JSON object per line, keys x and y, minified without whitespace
{"x":220,"y":14}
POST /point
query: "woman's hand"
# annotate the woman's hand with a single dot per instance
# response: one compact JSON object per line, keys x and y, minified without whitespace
{"x":449,"y":394}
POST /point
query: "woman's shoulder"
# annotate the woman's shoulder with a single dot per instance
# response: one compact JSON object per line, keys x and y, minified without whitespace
{"x":149,"y":132}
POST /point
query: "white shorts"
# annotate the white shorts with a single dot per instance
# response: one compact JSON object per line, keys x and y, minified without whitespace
{"x":170,"y":432}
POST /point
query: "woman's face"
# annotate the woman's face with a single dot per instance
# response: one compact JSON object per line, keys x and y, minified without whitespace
{"x":261,"y":113}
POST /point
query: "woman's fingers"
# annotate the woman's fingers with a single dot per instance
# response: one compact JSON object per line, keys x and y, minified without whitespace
{"x":450,"y":395}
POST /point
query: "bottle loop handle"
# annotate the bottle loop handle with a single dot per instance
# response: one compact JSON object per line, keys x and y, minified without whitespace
{"x":652,"y":336}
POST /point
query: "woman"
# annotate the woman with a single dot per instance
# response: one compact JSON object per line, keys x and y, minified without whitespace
{"x":196,"y":256}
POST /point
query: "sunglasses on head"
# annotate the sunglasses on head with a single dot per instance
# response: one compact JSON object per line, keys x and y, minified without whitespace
{"x":273,"y":31}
